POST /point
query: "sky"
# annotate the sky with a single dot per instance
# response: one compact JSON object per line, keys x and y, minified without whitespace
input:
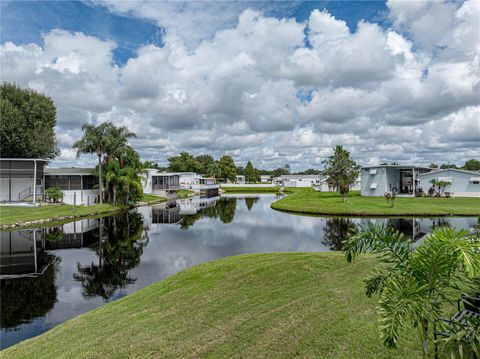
{"x":272,"y":82}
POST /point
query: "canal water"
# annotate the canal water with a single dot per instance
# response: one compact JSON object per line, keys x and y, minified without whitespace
{"x":51,"y":274}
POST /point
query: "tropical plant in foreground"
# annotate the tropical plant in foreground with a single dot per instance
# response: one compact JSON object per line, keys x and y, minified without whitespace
{"x":417,"y":285}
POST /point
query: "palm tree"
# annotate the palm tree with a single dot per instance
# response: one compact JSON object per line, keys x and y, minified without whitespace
{"x":417,"y":285}
{"x":214,"y":170}
{"x":94,"y":141}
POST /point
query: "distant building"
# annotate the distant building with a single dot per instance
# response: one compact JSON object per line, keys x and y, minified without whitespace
{"x":204,"y":186}
{"x":404,"y":179}
{"x":20,"y":178}
{"x":160,"y":183}
{"x":463,"y":183}
{"x":240,"y":179}
{"x":79,"y":185}
{"x":297,"y":180}
{"x":325,"y":187}
{"x":265,"y":178}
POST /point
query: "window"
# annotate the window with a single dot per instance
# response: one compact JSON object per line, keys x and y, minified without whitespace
{"x":475,"y":180}
{"x":373,"y":186}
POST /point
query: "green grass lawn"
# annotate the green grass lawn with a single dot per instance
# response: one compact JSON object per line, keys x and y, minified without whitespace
{"x":151,"y":198}
{"x":250,"y":189}
{"x":277,"y":305}
{"x":11,"y":214}
{"x":184,"y":193}
{"x":330,"y":203}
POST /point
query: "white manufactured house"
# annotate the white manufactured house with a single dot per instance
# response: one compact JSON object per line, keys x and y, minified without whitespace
{"x":403,"y":179}
{"x":298,"y":180}
{"x":201,"y":185}
{"x":20,"y":178}
{"x":160,"y":183}
{"x":79,"y":185}
{"x":463,"y":183}
{"x":324,"y":186}
{"x":265,"y":178}
{"x":240,"y":179}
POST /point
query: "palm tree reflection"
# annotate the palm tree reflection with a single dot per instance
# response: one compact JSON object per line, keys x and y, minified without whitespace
{"x":119,"y":248}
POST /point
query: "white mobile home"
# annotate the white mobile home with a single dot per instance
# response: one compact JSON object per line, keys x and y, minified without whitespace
{"x":403,"y":179}
{"x":79,"y":185}
{"x":20,"y":178}
{"x":201,"y":185}
{"x":160,"y":183}
{"x":463,"y":183}
{"x":298,"y":180}
{"x":324,"y":186}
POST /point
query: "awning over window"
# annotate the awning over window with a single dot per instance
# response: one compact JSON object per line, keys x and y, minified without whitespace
{"x":373,"y":186}
{"x":446,"y":179}
{"x":474,"y":179}
{"x":373,"y":171}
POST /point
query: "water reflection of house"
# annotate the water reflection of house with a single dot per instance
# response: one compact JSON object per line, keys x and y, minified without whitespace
{"x":23,"y":251}
{"x":195,"y":204}
{"x":167,"y":213}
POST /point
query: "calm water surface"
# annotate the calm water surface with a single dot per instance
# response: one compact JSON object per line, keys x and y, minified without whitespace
{"x":84,"y":264}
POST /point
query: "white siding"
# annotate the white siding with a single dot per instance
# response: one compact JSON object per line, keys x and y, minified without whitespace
{"x":461,"y":185}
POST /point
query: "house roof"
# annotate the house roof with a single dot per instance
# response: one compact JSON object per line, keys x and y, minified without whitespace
{"x":24,"y":159}
{"x":299,"y":176}
{"x":407,"y":166}
{"x":70,"y":171}
{"x":451,"y":169}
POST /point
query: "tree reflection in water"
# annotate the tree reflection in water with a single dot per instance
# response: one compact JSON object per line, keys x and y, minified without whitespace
{"x":224,"y":209}
{"x":119,"y":248}
{"x":24,"y":299}
{"x":250,"y":201}
{"x":336,"y":231}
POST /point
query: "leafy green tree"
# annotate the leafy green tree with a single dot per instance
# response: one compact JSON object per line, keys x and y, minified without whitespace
{"x":310,"y":171}
{"x":185,"y":162}
{"x":472,"y":165}
{"x":214,"y":170}
{"x":205,"y":161}
{"x":417,"y":284}
{"x":446,"y":166}
{"x":27,"y":126}
{"x":250,"y":173}
{"x":433,"y":165}
{"x":152,"y":164}
{"x":228,"y":168}
{"x":281,"y":171}
{"x":341,"y":171}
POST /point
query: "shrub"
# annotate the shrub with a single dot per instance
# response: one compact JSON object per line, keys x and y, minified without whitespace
{"x":389,"y":197}
{"x":54,"y":194}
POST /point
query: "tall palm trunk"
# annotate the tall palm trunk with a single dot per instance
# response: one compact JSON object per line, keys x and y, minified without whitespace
{"x":100,"y":178}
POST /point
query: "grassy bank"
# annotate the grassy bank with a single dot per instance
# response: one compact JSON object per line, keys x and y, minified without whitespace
{"x":184,"y":193}
{"x":329,"y":203}
{"x":23,"y":216}
{"x":250,"y":189}
{"x":13,"y":216}
{"x":251,"y":306}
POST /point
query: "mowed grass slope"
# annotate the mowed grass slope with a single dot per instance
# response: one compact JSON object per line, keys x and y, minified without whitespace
{"x":11,"y":214}
{"x":251,"y":306}
{"x":330,"y":203}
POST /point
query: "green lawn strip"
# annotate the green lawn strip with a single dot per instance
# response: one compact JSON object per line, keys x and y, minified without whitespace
{"x":19,"y":216}
{"x":151,"y":198}
{"x":250,"y":189}
{"x":184,"y":193}
{"x":276,"y":305}
{"x":11,"y":215}
{"x":310,"y":201}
